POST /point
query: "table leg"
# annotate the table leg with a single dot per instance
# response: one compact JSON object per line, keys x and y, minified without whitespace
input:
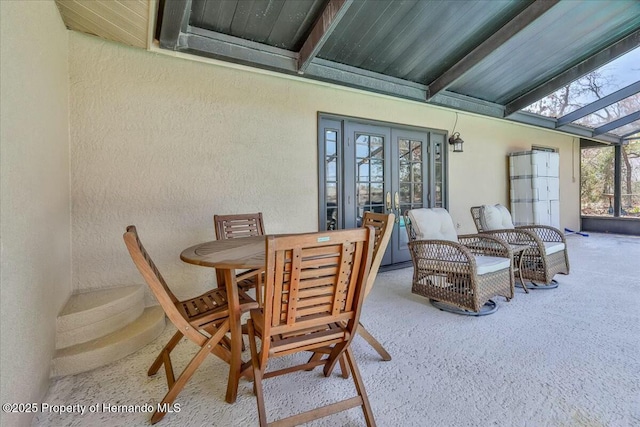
{"x":220,"y":278}
{"x":235,"y":368}
{"x":520,"y":258}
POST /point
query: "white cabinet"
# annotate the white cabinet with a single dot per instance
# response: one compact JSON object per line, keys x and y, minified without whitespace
{"x":535,"y":188}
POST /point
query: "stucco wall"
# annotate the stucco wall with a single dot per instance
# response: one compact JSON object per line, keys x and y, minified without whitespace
{"x":35,"y":208}
{"x":164,"y":143}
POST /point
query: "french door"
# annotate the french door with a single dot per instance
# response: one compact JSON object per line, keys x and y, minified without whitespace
{"x":368,"y":166}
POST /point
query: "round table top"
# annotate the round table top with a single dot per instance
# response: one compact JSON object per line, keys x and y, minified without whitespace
{"x":519,"y":247}
{"x":239,"y":253}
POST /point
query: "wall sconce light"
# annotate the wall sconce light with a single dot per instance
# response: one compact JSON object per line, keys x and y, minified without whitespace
{"x":456,"y":141}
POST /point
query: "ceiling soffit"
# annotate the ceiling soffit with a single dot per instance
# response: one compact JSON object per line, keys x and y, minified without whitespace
{"x":120,"y":21}
{"x":486,"y":57}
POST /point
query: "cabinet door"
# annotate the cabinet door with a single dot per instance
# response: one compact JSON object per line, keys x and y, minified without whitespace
{"x":554,"y":213}
{"x":553,"y":188}
{"x":553,"y":165}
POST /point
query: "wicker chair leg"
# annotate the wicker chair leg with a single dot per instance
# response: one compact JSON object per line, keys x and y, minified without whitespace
{"x":489,"y":307}
{"x":551,"y":285}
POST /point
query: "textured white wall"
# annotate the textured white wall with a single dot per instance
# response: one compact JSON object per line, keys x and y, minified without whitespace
{"x":35,"y":217}
{"x":480,"y":175}
{"x":164,"y":143}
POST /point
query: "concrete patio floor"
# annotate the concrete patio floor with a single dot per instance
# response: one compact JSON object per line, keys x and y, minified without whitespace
{"x":563,"y":357}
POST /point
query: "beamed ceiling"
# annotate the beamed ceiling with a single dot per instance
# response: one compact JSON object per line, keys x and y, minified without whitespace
{"x":490,"y":57}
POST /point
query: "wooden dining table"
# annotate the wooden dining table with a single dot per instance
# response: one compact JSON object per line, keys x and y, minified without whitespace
{"x":226,"y":256}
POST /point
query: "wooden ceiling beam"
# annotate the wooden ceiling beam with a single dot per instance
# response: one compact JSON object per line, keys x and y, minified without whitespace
{"x":175,"y":20}
{"x":493,"y":42}
{"x":322,"y":29}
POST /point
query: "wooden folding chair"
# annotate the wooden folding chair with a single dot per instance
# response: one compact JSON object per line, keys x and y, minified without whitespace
{"x":383,"y":227}
{"x":204,"y":320}
{"x":238,"y":226}
{"x":315,"y":287}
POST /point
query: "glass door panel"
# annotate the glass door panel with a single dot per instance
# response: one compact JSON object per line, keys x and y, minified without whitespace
{"x":331,"y":196}
{"x":366,"y":170}
{"x":410,"y":152}
{"x":438,"y":148}
{"x":330,"y":173}
{"x":410,"y":176}
{"x":370,"y":177}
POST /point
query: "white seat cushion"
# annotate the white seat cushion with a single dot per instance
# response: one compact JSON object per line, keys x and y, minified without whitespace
{"x":489,"y":264}
{"x":495,"y":217}
{"x":553,"y":247}
{"x":432,"y":224}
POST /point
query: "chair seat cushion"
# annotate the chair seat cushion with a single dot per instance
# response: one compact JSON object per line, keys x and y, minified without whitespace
{"x":489,"y":264}
{"x":495,"y":217}
{"x":553,"y":247}
{"x":432,"y":224}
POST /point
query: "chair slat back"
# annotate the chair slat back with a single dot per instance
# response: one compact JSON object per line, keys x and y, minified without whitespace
{"x":316,"y":279}
{"x":157,"y":284}
{"x":383,"y":227}
{"x":240,"y":225}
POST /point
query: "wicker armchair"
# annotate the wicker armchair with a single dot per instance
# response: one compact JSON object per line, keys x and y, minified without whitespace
{"x":547,"y":253}
{"x":457,"y":273}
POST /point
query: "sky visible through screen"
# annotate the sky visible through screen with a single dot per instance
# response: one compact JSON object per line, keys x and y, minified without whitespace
{"x":615,"y":75}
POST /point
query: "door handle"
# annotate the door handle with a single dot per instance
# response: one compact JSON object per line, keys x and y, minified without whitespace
{"x":389,"y":201}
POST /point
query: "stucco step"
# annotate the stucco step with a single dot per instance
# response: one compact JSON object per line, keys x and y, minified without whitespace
{"x":90,"y":315}
{"x":109,"y":348}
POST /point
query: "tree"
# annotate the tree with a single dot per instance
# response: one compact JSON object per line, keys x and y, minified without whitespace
{"x":597,"y":166}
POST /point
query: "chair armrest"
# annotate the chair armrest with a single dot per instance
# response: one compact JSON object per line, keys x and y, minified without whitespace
{"x":442,"y":256}
{"x":411,"y":233}
{"x":517,"y":236}
{"x":483,"y":244}
{"x":546,"y":233}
